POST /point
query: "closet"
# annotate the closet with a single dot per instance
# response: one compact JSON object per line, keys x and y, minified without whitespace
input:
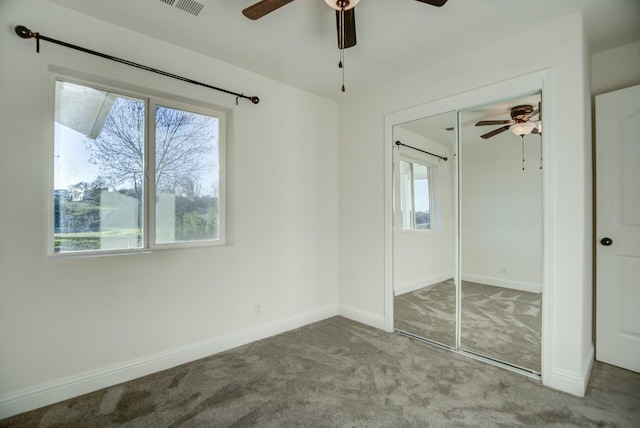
{"x":467,"y":228}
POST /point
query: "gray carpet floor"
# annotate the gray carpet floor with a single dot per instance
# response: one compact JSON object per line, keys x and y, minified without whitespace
{"x":496,"y":322}
{"x":338,"y":373}
{"x":428,"y":312}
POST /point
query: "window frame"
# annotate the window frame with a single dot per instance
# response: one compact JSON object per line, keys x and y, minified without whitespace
{"x":432,"y":169}
{"x":151,"y":99}
{"x":153,"y":102}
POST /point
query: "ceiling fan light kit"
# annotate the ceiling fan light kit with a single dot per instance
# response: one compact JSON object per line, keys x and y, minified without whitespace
{"x":345,"y":19}
{"x":522,"y":129}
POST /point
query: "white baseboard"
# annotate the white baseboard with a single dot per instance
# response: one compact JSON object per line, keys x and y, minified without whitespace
{"x":408,"y":287}
{"x":83,"y":383}
{"x":572,"y":382}
{"x":502,"y":282}
{"x":364,"y":317}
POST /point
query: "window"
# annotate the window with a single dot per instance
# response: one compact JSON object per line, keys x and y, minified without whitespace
{"x":134,"y":172}
{"x":415,"y":195}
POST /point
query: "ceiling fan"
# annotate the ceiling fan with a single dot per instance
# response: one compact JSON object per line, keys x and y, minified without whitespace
{"x":345,"y":15}
{"x":520,"y":123}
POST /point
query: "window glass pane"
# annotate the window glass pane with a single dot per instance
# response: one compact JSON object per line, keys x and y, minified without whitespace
{"x":187,"y":176}
{"x":98,"y":169}
{"x":421,"y":196}
{"x":406,"y":198}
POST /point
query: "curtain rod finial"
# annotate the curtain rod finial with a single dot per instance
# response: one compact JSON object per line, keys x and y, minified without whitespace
{"x":23,"y":32}
{"x":255,"y":100}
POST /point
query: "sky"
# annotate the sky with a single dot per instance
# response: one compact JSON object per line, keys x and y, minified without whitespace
{"x":421,"y":192}
{"x":71,"y":159}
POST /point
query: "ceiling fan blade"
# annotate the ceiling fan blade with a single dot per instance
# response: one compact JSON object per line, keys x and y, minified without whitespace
{"x":434,"y":2}
{"x":493,"y":122}
{"x":349,"y":31}
{"x":495,"y":132}
{"x":260,"y":9}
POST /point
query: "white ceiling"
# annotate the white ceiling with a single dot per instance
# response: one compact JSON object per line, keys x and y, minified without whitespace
{"x":297,"y":44}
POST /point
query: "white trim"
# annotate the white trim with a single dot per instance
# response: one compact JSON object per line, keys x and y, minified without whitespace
{"x":363,"y":317}
{"x":456,"y":228}
{"x":52,"y":392}
{"x":548,"y":320}
{"x":572,"y":382}
{"x":408,"y":287}
{"x":389,"y":122}
{"x":531,"y":287}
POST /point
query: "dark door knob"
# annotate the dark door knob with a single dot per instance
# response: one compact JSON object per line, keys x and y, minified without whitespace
{"x":606,"y":241}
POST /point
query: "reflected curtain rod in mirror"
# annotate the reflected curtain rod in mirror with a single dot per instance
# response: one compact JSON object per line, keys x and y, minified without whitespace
{"x":444,"y":158}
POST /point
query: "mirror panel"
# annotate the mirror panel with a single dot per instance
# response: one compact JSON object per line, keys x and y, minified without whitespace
{"x":501,"y":234}
{"x":424,"y":232}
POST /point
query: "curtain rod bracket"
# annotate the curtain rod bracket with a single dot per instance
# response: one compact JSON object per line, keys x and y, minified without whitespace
{"x":26,"y":33}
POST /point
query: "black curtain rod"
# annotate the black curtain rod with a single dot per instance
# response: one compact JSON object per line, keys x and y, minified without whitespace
{"x":25,"y":33}
{"x":444,"y":158}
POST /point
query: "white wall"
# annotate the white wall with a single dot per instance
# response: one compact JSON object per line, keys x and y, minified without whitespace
{"x":422,"y":258}
{"x":501,"y":212}
{"x":73,"y":325}
{"x":569,"y":351}
{"x":615,"y":69}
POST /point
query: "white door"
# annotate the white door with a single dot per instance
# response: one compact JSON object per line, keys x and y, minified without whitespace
{"x":618,"y":228}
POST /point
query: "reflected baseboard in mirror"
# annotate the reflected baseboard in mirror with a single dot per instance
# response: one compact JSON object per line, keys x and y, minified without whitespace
{"x":429,"y":312}
{"x":501,"y":323}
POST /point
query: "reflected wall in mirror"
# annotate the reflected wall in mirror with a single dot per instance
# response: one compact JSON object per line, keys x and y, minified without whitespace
{"x":501,"y":232}
{"x":423,"y":232}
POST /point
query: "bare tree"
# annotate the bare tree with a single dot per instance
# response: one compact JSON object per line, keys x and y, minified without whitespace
{"x":182,"y":142}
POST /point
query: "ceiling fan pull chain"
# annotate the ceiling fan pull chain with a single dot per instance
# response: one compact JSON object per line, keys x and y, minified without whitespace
{"x":341,"y":66}
{"x":342,"y":62}
{"x":522,"y":137}
{"x":540,"y":153}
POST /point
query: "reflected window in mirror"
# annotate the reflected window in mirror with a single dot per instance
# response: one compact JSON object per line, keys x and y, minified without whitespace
{"x":416,"y":195}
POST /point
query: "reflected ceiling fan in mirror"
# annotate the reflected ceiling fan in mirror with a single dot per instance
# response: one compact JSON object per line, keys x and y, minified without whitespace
{"x":345,"y":19}
{"x":520,"y":123}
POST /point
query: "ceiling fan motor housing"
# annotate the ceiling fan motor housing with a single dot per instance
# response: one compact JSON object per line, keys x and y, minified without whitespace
{"x":519,"y":113}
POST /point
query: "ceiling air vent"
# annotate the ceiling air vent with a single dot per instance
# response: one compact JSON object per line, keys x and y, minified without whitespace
{"x":191,"y":7}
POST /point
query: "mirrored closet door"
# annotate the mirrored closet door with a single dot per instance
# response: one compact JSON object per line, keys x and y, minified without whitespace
{"x":467,"y":231}
{"x":500,"y":210}
{"x":424,"y":238}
